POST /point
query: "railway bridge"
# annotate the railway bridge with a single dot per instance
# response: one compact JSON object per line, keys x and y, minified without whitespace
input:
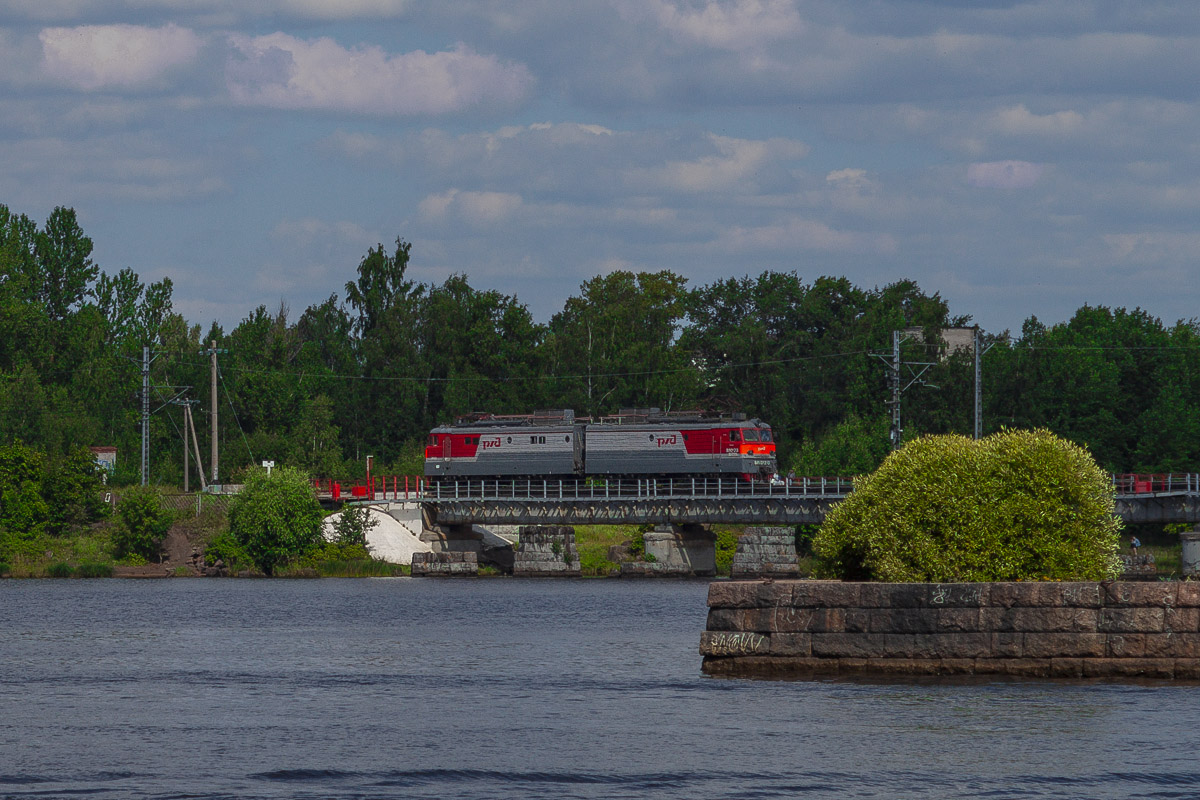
{"x":1139,"y":499}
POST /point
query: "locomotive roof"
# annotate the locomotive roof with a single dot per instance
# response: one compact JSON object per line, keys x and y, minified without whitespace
{"x":632,"y":422}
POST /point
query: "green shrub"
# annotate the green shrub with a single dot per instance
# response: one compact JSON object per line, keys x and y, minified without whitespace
{"x":60,"y":569}
{"x":351,"y":525}
{"x":93,"y":569}
{"x":726,"y":546}
{"x":228,"y":550}
{"x":1018,"y":505}
{"x":360,"y":568}
{"x":276,"y":517}
{"x":5,"y":568}
{"x":143,"y":523}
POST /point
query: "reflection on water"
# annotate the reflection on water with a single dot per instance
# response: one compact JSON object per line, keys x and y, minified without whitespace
{"x":513,"y":689}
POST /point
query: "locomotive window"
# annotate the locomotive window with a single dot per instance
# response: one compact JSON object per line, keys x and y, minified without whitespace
{"x":510,"y":440}
{"x":766,"y":434}
{"x":652,"y":437}
{"x":751,"y":435}
{"x":567,"y":439}
{"x":432,"y":440}
{"x":533,"y":440}
{"x":734,"y":436}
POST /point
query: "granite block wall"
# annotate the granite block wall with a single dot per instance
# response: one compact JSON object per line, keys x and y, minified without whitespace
{"x":445,"y":564}
{"x":546,"y":551}
{"x":1070,"y":630}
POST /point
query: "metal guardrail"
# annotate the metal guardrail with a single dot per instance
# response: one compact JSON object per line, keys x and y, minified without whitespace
{"x":416,"y":489}
{"x":1134,"y":484}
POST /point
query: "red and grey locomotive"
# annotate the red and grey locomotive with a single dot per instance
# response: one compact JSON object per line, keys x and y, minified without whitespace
{"x":636,"y":442}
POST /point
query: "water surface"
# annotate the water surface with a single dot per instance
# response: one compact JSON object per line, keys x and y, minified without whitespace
{"x":505,"y":688}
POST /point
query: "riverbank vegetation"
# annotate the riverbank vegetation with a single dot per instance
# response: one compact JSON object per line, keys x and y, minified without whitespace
{"x":372,"y":369}
{"x":1014,"y":506}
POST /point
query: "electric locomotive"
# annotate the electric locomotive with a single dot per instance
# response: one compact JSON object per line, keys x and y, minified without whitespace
{"x":634,"y":443}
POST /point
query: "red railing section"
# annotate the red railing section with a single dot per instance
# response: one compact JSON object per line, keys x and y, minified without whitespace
{"x":1155,"y":483}
{"x":377,"y":487}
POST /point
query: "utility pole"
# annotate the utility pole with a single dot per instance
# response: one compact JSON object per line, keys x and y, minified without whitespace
{"x":186,"y":454}
{"x":213,"y":351}
{"x":145,"y":414}
{"x":979,"y":351}
{"x":191,"y":423}
{"x":895,"y":381}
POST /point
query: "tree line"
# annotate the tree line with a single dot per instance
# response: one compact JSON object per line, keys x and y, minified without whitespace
{"x":372,"y":369}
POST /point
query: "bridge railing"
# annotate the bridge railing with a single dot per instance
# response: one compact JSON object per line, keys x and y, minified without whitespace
{"x":1156,"y":483}
{"x":414,"y":488}
{"x":637,"y":488}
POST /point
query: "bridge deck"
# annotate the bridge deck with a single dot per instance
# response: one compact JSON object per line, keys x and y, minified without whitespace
{"x":1155,"y":499}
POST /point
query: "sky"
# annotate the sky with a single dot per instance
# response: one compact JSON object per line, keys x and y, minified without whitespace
{"x":1017,"y":158}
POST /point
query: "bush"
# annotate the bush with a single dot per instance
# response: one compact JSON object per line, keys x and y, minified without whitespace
{"x":350,"y":527}
{"x":143,"y":523}
{"x":229,"y":551}
{"x":60,"y":570}
{"x":1018,"y":505}
{"x":276,"y":517}
{"x":724,"y":549}
{"x":93,"y":570}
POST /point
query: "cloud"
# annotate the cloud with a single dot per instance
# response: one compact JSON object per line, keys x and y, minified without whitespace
{"x":1004,"y":174}
{"x":805,"y":234}
{"x":1153,"y":247}
{"x":735,"y":162}
{"x":93,"y":57}
{"x":736,"y":25}
{"x":309,"y":231}
{"x":281,"y":71}
{"x":472,"y":208}
{"x":1019,"y":120}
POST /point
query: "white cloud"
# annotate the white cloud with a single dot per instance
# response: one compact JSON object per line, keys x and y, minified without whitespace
{"x":805,"y":234}
{"x":115,"y":56}
{"x":1004,"y":174}
{"x":309,"y":231}
{"x":472,"y":208}
{"x":1019,"y":120}
{"x":732,"y":25}
{"x":734,"y":163}
{"x":1153,"y":247}
{"x":281,"y":71}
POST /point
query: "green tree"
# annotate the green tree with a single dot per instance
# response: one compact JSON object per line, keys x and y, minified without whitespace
{"x":855,"y":446}
{"x":614,"y":345}
{"x":1017,"y":505}
{"x":144,"y":523}
{"x":276,"y":517}
{"x":23,"y":511}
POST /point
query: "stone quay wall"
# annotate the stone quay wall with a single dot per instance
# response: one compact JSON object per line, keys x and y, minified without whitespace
{"x":1038,"y":630}
{"x":445,"y":564}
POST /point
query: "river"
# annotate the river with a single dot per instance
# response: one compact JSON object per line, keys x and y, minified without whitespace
{"x":505,"y":688}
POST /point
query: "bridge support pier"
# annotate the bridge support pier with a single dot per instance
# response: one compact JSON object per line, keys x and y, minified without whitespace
{"x":678,"y":550}
{"x":546,"y":551}
{"x":766,"y":553}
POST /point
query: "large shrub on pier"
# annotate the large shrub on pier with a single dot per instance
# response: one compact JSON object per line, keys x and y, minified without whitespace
{"x":276,"y":517}
{"x":1018,"y":505}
